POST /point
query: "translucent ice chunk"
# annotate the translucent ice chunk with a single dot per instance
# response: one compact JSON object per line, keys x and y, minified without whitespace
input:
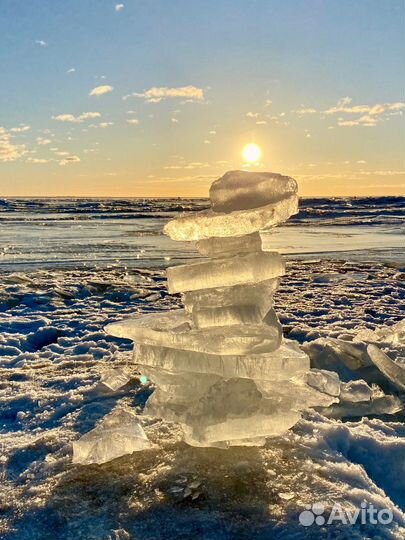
{"x":355,"y":391}
{"x":332,"y":354}
{"x":115,"y":378}
{"x":208,"y":224}
{"x":394,"y":334}
{"x":296,"y":392}
{"x":249,"y":269}
{"x":325,"y":381}
{"x":228,"y":315}
{"x":175,"y":321}
{"x":380,"y":405}
{"x":258,"y":294}
{"x":235,"y":409}
{"x":175,"y":388}
{"x":156,"y":329}
{"x":241,"y":190}
{"x":231,"y":246}
{"x":285,"y":362}
{"x":234,"y":430}
{"x":393,"y":372}
{"x":118,"y":434}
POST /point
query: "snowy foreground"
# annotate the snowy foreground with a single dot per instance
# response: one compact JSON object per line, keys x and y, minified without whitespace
{"x":53,"y":355}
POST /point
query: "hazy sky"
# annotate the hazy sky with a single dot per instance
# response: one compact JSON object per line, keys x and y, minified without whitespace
{"x":158,"y":97}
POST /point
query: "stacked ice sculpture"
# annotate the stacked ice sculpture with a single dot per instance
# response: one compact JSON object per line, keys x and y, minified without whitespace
{"x":221,"y":366}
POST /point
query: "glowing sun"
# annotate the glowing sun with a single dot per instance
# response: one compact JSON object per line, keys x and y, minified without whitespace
{"x":251,"y":153}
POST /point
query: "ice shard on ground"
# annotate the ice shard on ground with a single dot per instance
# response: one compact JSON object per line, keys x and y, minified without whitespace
{"x":222,"y":369}
{"x":118,"y":434}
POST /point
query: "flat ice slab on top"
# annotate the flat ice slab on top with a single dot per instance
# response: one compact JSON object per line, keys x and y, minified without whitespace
{"x":209,"y":224}
{"x":243,"y":190}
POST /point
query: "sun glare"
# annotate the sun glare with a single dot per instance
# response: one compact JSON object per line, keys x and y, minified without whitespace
{"x":251,"y":153}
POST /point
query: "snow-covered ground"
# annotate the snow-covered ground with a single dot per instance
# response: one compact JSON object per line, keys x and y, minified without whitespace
{"x":53,"y":352}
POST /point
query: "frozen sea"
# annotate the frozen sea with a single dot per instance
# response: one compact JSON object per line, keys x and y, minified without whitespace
{"x":70,"y":266}
{"x":73,"y":233}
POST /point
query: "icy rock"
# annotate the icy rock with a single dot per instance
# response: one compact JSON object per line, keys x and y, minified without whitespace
{"x":229,"y":247}
{"x":355,"y":391}
{"x":287,"y":361}
{"x":115,"y":378}
{"x":393,"y":335}
{"x":208,"y":224}
{"x":227,"y":340}
{"x":118,"y":434}
{"x":259,"y":295}
{"x":248,"y":398}
{"x":246,"y":269}
{"x":377,"y":406}
{"x":325,"y":381}
{"x":242,"y":190}
{"x":393,"y":372}
{"x":174,"y":389}
{"x":174,"y":321}
{"x":231,"y":315}
{"x":296,"y":392}
{"x":243,"y":411}
{"x":222,"y":370}
{"x":235,"y":409}
{"x":331,"y":354}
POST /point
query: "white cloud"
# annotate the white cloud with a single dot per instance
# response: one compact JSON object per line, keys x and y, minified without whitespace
{"x":212,"y":132}
{"x":68,"y":160}
{"x":306,"y":110}
{"x":71,"y":70}
{"x":43,"y":141}
{"x":344,"y":105}
{"x":41,"y":43}
{"x":37,"y":160}
{"x":251,"y":114}
{"x":183,"y":164}
{"x":157,"y":94}
{"x":20,"y":129}
{"x":261,"y":123}
{"x":119,"y":7}
{"x":357,"y":115}
{"x":101,"y":125}
{"x":89,"y":115}
{"x":133,"y":121}
{"x":174,"y":120}
{"x":67,"y":117}
{"x":101,"y":90}
{"x":8,"y":150}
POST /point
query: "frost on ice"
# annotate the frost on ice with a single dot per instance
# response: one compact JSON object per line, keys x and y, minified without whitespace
{"x":222,"y":369}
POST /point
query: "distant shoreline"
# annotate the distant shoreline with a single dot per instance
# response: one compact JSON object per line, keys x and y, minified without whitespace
{"x":138,"y":197}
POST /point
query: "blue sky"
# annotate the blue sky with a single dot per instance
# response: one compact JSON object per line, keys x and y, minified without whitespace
{"x":179,"y":87}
